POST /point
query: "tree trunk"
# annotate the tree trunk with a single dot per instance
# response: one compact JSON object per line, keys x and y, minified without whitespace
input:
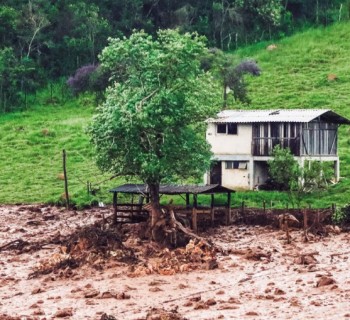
{"x":155,"y":212}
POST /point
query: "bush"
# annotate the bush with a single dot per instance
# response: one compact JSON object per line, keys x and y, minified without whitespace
{"x":80,"y":82}
{"x":342,"y":215}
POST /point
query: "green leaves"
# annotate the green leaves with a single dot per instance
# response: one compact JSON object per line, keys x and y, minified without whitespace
{"x":151,"y":125}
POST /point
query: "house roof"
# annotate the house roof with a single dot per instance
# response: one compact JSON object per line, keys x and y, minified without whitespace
{"x":278,"y":115}
{"x":172,"y":189}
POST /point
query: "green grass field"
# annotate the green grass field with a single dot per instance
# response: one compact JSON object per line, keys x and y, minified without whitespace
{"x":31,"y":153}
{"x":294,"y":75}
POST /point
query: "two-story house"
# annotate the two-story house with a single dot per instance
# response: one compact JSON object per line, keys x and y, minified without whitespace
{"x":242,"y":142}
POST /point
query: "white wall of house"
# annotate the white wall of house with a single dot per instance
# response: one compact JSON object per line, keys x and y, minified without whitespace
{"x":235,"y":178}
{"x":240,"y":143}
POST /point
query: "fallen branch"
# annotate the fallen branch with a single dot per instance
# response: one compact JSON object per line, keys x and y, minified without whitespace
{"x":18,"y":244}
{"x":338,"y":254}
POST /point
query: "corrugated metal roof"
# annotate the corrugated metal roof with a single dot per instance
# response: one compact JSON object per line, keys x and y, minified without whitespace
{"x":172,"y":189}
{"x":282,"y":115}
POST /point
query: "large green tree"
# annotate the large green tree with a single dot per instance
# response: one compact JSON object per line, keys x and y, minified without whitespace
{"x":152,"y":124}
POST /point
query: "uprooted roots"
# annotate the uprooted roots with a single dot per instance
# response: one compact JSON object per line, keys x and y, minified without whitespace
{"x":89,"y":245}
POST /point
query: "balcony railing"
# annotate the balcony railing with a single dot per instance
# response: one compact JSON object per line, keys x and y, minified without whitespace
{"x":264,"y":146}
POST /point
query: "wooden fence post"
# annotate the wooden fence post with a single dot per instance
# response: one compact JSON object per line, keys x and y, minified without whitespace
{"x":243,"y":213}
{"x":65,"y":178}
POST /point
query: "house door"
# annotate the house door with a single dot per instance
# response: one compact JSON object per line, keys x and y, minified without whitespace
{"x":216,"y":173}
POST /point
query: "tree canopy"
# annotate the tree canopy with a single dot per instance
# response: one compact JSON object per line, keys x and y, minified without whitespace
{"x":152,"y":123}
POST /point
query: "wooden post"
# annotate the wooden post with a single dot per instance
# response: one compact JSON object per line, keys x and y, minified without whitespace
{"x":195,"y":201}
{"x":187,"y":200}
{"x":287,"y":231}
{"x":212,"y":217}
{"x":194,"y":214}
{"x":306,"y":239}
{"x":65,"y":178}
{"x":194,"y":219}
{"x":115,"y":207}
{"x":243,"y":214}
{"x":228,"y":209}
{"x":264,"y":206}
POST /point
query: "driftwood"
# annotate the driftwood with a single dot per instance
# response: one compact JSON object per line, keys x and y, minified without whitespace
{"x":338,"y":254}
{"x":188,"y":232}
{"x":18,"y":244}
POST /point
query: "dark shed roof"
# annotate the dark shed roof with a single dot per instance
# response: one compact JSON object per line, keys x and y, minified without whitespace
{"x":172,"y":189}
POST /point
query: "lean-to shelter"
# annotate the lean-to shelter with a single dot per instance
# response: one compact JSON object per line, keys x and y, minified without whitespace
{"x":133,"y":212}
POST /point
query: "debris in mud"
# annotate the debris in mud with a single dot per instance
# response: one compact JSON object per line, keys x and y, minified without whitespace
{"x":255,"y":254}
{"x":90,"y":245}
{"x":63,"y":313}
{"x":162,"y":314}
{"x":306,"y":259}
{"x":105,"y":316}
{"x":196,"y":255}
{"x":325,"y":281}
{"x":18,"y":244}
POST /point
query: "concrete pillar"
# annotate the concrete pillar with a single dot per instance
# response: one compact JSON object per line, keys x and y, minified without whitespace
{"x":301,"y":162}
{"x":251,"y":174}
{"x":336,"y":170}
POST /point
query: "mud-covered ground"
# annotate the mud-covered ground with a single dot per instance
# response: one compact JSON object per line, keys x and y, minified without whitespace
{"x":259,"y":277}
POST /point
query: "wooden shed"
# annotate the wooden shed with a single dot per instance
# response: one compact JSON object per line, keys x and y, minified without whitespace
{"x":135,"y":211}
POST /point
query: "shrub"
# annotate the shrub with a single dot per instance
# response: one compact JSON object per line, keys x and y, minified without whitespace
{"x":342,"y":215}
{"x":80,"y":82}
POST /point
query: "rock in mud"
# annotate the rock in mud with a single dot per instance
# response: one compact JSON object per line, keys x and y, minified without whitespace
{"x":63,"y":313}
{"x":325,"y":281}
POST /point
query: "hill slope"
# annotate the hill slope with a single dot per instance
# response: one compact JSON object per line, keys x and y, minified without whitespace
{"x":294,"y":75}
{"x":31,"y":152}
{"x":299,"y":73}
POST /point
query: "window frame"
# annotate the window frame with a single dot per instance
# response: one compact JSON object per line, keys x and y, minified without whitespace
{"x":228,"y":126}
{"x":236,"y":165}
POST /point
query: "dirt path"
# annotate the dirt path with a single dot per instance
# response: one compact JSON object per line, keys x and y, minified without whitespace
{"x":262,"y":277}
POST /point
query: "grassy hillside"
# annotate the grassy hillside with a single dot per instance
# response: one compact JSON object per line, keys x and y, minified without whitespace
{"x":31,"y":152}
{"x":294,"y":75}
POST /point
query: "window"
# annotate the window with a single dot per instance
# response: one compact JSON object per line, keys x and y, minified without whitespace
{"x":232,"y":164}
{"x":242,"y":165}
{"x":227,"y":128}
{"x":232,"y":128}
{"x":221,"y":128}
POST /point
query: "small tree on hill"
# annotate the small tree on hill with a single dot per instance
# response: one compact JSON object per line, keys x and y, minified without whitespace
{"x":230,"y":72}
{"x":152,"y":124}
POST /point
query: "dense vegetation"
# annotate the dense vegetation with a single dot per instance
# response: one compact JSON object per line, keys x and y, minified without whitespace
{"x":41,"y":41}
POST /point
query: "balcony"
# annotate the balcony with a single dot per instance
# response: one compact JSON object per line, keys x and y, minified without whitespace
{"x":264,"y":146}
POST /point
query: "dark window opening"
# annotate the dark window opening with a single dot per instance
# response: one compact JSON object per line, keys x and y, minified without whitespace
{"x":232,"y":128}
{"x":228,"y":128}
{"x":222,"y":128}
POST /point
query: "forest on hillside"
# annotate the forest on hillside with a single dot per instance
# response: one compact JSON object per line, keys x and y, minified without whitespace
{"x":42,"y":41}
